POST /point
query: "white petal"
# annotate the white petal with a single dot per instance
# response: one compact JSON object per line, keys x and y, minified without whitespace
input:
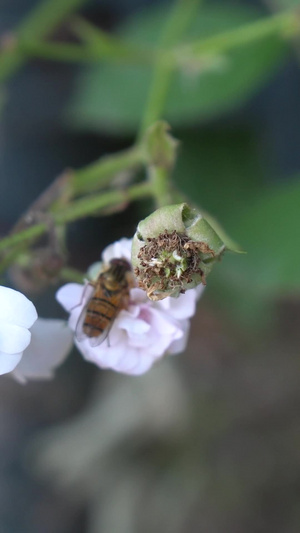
{"x":118,"y":249}
{"x":9,"y":361}
{"x":13,"y":339}
{"x":15,"y":308}
{"x":50,"y":344}
{"x":69,"y":295}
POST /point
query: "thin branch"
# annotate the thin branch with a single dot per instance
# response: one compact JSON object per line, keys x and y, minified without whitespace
{"x":79,"y":209}
{"x":43,"y":19}
{"x":176,"y":25}
{"x":285,"y":24}
{"x":99,"y":173}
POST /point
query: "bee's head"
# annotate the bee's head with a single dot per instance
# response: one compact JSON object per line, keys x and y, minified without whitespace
{"x":119,"y":267}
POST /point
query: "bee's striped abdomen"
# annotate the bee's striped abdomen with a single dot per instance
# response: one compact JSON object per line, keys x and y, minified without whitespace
{"x":99,"y":314}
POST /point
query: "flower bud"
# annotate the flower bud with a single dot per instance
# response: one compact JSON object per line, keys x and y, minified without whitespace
{"x":174,"y":250}
{"x":160,"y":147}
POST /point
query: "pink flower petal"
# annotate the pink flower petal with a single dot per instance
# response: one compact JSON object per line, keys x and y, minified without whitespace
{"x":69,"y":295}
{"x":133,"y":326}
{"x":135,"y":363}
{"x":182,"y":307}
{"x":179,"y":345}
{"x":121,"y":248}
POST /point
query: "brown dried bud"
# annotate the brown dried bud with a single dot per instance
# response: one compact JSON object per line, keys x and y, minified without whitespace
{"x":173,"y":251}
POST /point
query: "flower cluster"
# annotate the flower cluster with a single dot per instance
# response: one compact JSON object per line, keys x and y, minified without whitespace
{"x":140,"y":334}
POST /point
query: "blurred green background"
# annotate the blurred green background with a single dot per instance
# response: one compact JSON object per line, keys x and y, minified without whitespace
{"x":213,"y":445}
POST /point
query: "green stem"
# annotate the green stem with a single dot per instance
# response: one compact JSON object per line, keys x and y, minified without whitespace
{"x":8,"y":259}
{"x":285,"y":23}
{"x":177,"y":23}
{"x":45,"y":17}
{"x":92,"y":204}
{"x":105,"y":45}
{"x":58,"y":51}
{"x":160,"y":179}
{"x":80,"y":209}
{"x":159,"y":88}
{"x":112,"y":51}
{"x":99,"y":173}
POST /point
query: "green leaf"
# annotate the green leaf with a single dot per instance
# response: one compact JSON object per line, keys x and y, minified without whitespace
{"x":220,"y":170}
{"x":285,"y":4}
{"x":112,"y":97}
{"x":270,"y":233}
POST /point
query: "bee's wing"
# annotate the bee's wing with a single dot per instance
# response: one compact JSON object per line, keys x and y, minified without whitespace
{"x":96,"y":341}
{"x":79,"y":333}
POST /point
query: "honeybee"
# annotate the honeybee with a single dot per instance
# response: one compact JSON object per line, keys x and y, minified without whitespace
{"x":110,"y":295}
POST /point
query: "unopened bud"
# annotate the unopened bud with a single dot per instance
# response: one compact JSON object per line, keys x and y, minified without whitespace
{"x":160,"y":146}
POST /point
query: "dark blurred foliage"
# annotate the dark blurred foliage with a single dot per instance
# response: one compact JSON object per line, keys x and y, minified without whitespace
{"x":246,"y":429}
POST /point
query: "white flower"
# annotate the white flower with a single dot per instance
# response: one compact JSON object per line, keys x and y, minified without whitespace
{"x":140,"y":335}
{"x":17,"y":315}
{"x":51,"y":342}
{"x":30,"y":348}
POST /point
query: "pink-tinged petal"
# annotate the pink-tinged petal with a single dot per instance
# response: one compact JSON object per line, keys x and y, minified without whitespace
{"x":107,"y":354}
{"x":138,"y":296}
{"x":119,"y":249}
{"x":134,"y":326}
{"x":182,"y":307}
{"x":13,"y":339}
{"x":135,"y":363}
{"x":9,"y":361}
{"x":51,"y":342}
{"x":69,"y":295}
{"x":111,"y":358}
{"x":133,"y":310}
{"x":179,"y":345}
{"x":164,"y":332}
{"x":15,"y":308}
{"x":161,"y":323}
